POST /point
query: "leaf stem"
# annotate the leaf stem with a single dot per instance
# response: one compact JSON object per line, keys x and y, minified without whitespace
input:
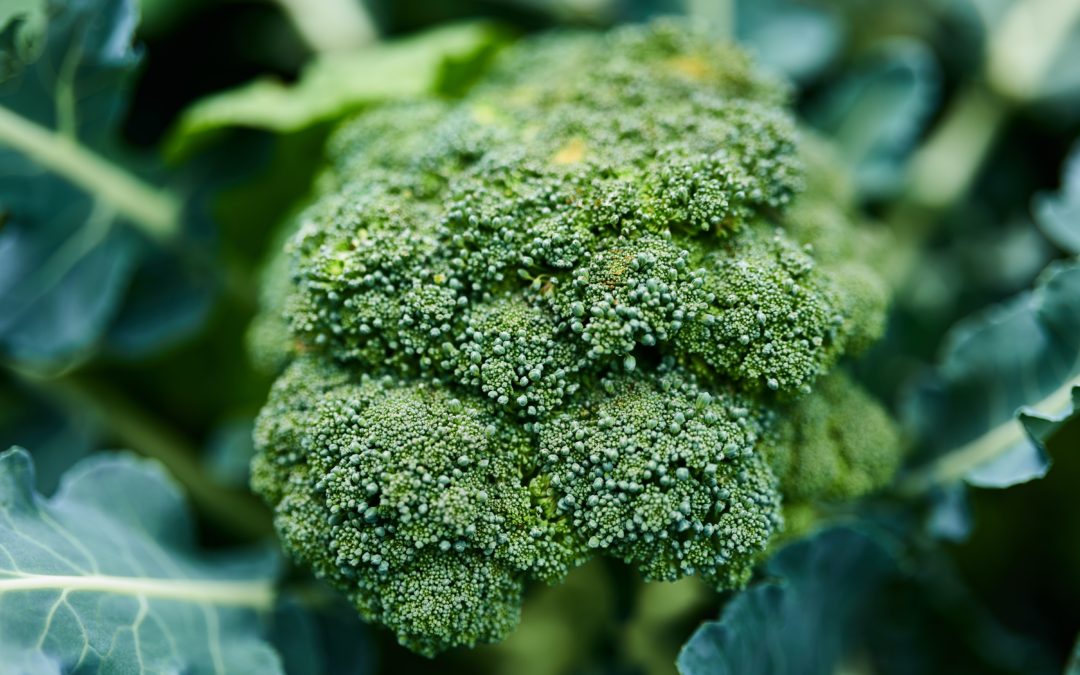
{"x":956,"y":463}
{"x":331,"y":25}
{"x":1020,"y":50}
{"x":944,"y":168}
{"x":155,"y":212}
{"x":234,"y":510}
{"x":258,"y":595}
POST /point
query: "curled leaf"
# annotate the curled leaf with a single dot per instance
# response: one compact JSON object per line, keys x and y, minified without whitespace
{"x":876,"y":115}
{"x":1008,"y":378}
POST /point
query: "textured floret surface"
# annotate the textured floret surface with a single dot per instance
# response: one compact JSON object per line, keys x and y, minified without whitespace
{"x":581,"y":311}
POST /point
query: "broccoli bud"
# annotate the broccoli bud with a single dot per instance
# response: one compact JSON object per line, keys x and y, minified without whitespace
{"x":582,"y":311}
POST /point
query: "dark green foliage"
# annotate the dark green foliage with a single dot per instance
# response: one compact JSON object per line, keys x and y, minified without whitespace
{"x":802,"y":620}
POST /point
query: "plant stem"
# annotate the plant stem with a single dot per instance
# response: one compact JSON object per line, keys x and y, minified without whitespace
{"x":331,"y":25}
{"x":155,"y":212}
{"x":1020,"y":50}
{"x":944,"y":167}
{"x":235,"y":510}
{"x":1025,"y":44}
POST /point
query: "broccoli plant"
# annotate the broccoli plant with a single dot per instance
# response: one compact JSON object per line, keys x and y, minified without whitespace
{"x":539,"y":337}
{"x":594,"y":308}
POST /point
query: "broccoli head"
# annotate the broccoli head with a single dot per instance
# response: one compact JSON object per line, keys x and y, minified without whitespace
{"x":591,"y":308}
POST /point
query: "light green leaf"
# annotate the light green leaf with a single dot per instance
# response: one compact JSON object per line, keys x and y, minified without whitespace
{"x":336,"y":84}
{"x":105,"y":577}
{"x":1074,"y":663}
{"x":1008,"y":378}
{"x":16,"y":39}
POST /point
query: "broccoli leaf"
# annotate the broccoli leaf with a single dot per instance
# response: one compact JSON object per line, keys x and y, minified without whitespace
{"x":949,"y":515}
{"x":59,"y":437}
{"x":322,"y":640}
{"x":63,"y":270}
{"x":875,"y":116}
{"x":76,"y":228}
{"x":1009,"y":377}
{"x":105,"y":577}
{"x":802,"y":620}
{"x":441,"y":61}
{"x":1058,"y":216}
{"x":798,"y":39}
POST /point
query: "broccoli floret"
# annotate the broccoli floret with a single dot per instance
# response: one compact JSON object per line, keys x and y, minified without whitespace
{"x":634,"y":291}
{"x":665,"y":475}
{"x":414,"y":499}
{"x":837,"y":444}
{"x":589,"y":309}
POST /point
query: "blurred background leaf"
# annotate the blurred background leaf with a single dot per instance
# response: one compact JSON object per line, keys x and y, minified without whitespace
{"x":798,"y":39}
{"x":1006,"y":379}
{"x":65,"y":270}
{"x":328,"y":641}
{"x":441,"y":61}
{"x":118,"y":250}
{"x":877,"y":113}
{"x":815,"y":601}
{"x":1058,"y":215}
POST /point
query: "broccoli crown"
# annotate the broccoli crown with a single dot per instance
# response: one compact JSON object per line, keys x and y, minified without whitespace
{"x":564,"y":316}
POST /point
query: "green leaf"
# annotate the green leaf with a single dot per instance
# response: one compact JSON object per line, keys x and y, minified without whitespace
{"x":1008,"y":378}
{"x":20,"y":25}
{"x":801,"y":621}
{"x":76,"y":228}
{"x":105,"y":577}
{"x":61,"y":285}
{"x":876,"y":115}
{"x":949,"y":515}
{"x":18,"y":8}
{"x":325,"y":639}
{"x":1074,"y":663}
{"x":61,"y":110}
{"x":1058,"y":216}
{"x":59,"y":437}
{"x":1059,"y":95}
{"x":798,"y":39}
{"x":440,"y":61}
{"x":229,"y":452}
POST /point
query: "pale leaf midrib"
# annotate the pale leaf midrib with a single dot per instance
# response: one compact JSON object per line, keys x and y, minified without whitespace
{"x":955,"y":464}
{"x":257,"y":595}
{"x":152,"y":210}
